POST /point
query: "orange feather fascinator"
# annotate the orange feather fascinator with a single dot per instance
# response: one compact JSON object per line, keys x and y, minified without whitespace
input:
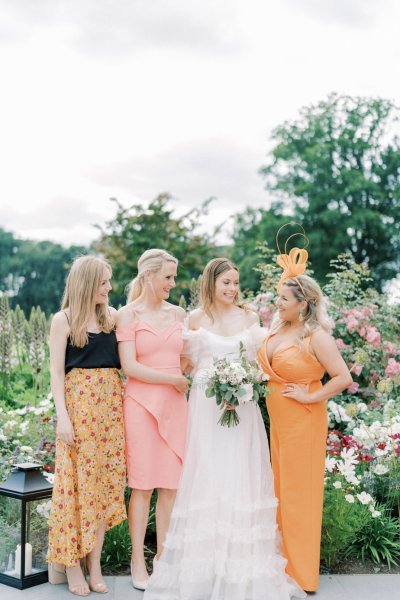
{"x":295,"y":262}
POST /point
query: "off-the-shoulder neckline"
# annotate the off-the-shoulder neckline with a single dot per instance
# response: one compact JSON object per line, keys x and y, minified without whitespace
{"x":226,"y":336}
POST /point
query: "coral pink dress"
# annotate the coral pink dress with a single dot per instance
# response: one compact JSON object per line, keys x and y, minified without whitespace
{"x":155,"y":415}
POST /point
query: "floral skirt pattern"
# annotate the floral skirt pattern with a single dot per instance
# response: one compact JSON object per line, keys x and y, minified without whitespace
{"x":90,"y":478}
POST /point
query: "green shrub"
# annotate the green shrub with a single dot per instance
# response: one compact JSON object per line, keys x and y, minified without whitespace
{"x":378,"y":540}
{"x":340,"y":523}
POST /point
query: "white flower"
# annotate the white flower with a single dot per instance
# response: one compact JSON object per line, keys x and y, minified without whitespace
{"x":248,"y":395}
{"x":379,"y":452}
{"x":44,"y":509}
{"x":348,"y":472}
{"x":337,"y":484}
{"x":49,"y":477}
{"x":349,"y":498}
{"x":349,"y":456}
{"x":362,"y":407}
{"x":46,"y":403}
{"x":380,"y":469}
{"x":330,"y":463}
{"x":26,"y":449}
{"x":2,"y":438}
{"x":364,"y":498}
{"x":375,"y":513}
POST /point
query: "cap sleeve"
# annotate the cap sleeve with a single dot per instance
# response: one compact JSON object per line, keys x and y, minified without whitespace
{"x":126,"y":333}
{"x":192,"y":343}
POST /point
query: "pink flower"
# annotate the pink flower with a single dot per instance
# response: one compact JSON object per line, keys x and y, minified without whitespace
{"x":374,"y":375}
{"x":393,"y":367}
{"x":362,"y":331}
{"x":351,"y":323}
{"x":340,"y":344}
{"x":388,"y":347}
{"x":356,"y":369}
{"x":353,"y":388}
{"x":373,"y":336}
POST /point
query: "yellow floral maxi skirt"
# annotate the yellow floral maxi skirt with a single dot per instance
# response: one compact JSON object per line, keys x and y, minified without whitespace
{"x":90,"y":478}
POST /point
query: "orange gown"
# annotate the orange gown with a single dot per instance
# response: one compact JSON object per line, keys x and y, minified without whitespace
{"x":298,"y":442}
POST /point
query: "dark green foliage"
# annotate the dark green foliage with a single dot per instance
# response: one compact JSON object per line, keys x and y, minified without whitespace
{"x":341,"y":521}
{"x":136,"y":229}
{"x":378,"y":540}
{"x":251,"y":227}
{"x":34,"y":273}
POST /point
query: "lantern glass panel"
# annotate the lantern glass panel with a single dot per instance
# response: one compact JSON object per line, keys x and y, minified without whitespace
{"x":36,"y":536}
{"x":10,"y":533}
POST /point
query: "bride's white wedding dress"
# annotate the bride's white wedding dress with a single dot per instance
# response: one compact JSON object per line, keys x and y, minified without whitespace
{"x":222,"y":542}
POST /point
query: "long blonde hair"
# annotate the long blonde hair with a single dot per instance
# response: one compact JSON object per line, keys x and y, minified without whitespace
{"x":213,"y":269}
{"x":306,"y":288}
{"x":81,"y":287}
{"x":151,"y":260}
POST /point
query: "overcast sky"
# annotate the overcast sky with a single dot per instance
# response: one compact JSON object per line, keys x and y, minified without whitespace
{"x":130,"y":98}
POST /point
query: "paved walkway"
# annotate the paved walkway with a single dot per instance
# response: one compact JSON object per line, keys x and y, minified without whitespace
{"x":332,"y":587}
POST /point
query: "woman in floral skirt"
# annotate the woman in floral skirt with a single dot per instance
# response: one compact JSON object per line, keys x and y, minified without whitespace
{"x":88,"y":495}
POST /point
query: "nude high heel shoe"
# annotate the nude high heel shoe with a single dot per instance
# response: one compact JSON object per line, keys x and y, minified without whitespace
{"x":99,"y":587}
{"x":58,"y":575}
{"x":139,"y":585}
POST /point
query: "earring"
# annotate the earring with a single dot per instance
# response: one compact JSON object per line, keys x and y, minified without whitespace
{"x":301,"y":318}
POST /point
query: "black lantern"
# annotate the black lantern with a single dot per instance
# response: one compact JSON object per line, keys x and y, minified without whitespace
{"x":24,"y":511}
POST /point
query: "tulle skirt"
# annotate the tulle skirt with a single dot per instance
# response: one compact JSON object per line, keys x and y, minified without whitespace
{"x":223,"y":542}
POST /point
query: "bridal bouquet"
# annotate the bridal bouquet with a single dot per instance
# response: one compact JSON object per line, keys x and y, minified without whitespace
{"x":234,"y":383}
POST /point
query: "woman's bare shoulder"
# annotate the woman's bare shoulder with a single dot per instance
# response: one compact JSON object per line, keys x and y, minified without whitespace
{"x":125,"y":315}
{"x":196,"y":318}
{"x":252,"y":317}
{"x":180,"y":313}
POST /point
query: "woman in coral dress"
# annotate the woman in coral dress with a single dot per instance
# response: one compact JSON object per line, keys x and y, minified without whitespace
{"x":295,"y":355}
{"x":90,"y":475}
{"x":150,"y":340}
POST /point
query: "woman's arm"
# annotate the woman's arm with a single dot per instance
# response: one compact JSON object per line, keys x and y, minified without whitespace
{"x":59,"y":332}
{"x":328,"y":355}
{"x":133,"y":368}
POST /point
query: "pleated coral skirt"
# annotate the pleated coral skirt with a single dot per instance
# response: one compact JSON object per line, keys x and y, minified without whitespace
{"x":90,"y":477}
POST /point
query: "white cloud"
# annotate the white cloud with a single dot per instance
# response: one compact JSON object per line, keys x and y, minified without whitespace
{"x":351,"y":13}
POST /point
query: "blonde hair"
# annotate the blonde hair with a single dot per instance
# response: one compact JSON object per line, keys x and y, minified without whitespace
{"x":151,"y":260}
{"x":81,"y":287}
{"x":213,"y":269}
{"x":306,"y":288}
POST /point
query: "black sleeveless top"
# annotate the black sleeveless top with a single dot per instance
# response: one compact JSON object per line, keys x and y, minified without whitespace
{"x":101,"y":351}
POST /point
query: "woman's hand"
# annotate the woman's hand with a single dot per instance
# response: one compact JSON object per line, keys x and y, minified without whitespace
{"x":181,"y":383}
{"x":297,"y":392}
{"x":65,"y":431}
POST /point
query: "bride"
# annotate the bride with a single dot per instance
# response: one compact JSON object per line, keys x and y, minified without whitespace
{"x":222,"y":542}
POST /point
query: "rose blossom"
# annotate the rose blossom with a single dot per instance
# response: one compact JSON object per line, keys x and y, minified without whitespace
{"x":353,"y":388}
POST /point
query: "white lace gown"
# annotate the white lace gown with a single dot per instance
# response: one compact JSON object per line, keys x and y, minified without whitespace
{"x":222,"y":542}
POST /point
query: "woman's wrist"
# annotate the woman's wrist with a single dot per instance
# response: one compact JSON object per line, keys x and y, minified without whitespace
{"x":61,"y":413}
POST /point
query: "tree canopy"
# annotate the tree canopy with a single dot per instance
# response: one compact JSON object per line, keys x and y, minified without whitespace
{"x":136,"y":229}
{"x":33,"y":273}
{"x":337,"y":168}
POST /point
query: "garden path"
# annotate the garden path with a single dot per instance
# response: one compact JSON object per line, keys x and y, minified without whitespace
{"x":332,"y":587}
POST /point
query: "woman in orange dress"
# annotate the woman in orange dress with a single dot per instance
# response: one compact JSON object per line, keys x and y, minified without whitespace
{"x":90,"y":474}
{"x":295,"y":355}
{"x":149,"y":332}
